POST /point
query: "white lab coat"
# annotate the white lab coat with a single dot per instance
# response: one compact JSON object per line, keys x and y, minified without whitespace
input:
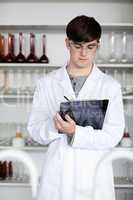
{"x":68,"y":170}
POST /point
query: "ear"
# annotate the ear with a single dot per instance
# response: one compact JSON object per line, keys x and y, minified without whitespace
{"x":98,"y":44}
{"x":67,"y":43}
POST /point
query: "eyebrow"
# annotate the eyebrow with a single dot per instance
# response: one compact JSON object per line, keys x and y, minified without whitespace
{"x":92,"y":44}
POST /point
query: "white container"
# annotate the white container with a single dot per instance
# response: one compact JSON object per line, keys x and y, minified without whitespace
{"x":126,"y":140}
{"x":18,"y":141}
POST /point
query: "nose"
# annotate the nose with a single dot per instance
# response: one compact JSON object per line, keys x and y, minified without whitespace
{"x":83,"y":51}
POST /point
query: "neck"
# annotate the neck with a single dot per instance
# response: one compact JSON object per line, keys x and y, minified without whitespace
{"x":74,"y":71}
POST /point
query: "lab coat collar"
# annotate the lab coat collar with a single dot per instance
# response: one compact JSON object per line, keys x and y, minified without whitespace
{"x":88,"y":86}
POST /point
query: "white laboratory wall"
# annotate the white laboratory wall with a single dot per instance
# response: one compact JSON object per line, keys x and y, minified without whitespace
{"x":28,"y":13}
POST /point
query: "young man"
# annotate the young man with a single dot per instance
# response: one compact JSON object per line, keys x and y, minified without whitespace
{"x":70,"y":167}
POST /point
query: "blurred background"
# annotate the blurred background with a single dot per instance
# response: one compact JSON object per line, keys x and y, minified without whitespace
{"x":32,"y":42}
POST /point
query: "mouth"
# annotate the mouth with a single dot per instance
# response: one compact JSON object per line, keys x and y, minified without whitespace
{"x":82,"y":59}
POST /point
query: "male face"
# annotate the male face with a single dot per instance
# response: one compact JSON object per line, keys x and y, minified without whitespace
{"x":82,"y":54}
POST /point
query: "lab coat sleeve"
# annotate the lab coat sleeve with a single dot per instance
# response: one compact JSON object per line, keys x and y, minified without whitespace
{"x":112,"y":131}
{"x":41,"y":125}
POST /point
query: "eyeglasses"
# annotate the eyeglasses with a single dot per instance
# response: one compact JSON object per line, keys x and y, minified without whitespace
{"x":77,"y":46}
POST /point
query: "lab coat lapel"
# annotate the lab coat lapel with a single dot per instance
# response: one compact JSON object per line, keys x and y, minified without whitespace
{"x":65,"y":83}
{"x":90,"y":84}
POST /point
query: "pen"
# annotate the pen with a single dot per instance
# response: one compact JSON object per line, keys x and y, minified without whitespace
{"x":66,"y":98}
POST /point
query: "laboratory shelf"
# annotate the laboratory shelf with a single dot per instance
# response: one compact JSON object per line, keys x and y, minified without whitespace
{"x":42,"y":65}
{"x":27,"y":96}
{"x":26,"y":148}
{"x":27,"y":66}
{"x":13,"y":183}
{"x":124,"y":186}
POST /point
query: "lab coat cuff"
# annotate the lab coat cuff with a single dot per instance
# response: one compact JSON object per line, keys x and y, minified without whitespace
{"x":70,"y":139}
{"x":80,"y":136}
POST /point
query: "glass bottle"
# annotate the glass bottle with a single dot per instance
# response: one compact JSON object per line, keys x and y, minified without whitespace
{"x":0,"y":170}
{"x":18,"y":140}
{"x":32,"y":58}
{"x":10,"y":57}
{"x":2,"y":48}
{"x":10,"y":169}
{"x":10,"y":82}
{"x":4,"y":170}
{"x":124,"y":48}
{"x":126,"y":140}
{"x":112,"y":57}
{"x":20,"y":57}
{"x":44,"y":58}
{"x":2,"y":80}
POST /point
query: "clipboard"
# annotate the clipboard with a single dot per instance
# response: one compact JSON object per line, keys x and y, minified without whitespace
{"x":85,"y":112}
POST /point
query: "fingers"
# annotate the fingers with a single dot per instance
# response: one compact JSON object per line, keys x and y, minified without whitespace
{"x":67,"y":127}
{"x":68,"y":118}
{"x":56,"y":123}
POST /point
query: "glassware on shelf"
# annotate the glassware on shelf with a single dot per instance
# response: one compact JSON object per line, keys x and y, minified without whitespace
{"x":20,"y":58}
{"x":126,"y":140}
{"x":123,"y":84}
{"x":10,"y":82}
{"x":2,"y":48}
{"x":32,"y":58}
{"x":117,"y":75}
{"x":99,"y":58}
{"x":18,"y":140}
{"x":44,"y":58}
{"x":4,"y":169}
{"x":28,"y":79}
{"x":20,"y":171}
{"x":22,"y":81}
{"x":36,"y":75}
{"x":10,"y":168}
{"x":20,"y":174}
{"x":19,"y":83}
{"x":123,"y":180}
{"x":15,"y":170}
{"x":127,"y":81}
{"x":30,"y":142}
{"x":10,"y":57}
{"x":124,"y":58}
{"x":2,"y":80}
{"x":112,"y":40}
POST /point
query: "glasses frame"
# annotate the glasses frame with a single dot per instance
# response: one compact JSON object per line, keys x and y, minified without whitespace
{"x":80,"y":46}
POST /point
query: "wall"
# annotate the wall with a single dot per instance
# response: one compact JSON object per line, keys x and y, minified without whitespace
{"x":60,"y":13}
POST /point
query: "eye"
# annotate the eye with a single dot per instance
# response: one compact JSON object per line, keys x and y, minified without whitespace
{"x":90,"y":47}
{"x":77,"y":46}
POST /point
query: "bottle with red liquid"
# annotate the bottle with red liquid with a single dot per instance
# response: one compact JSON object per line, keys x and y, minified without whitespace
{"x":2,"y":48}
{"x":126,"y":140}
{"x":4,"y":170}
{"x":10,"y":169}
{"x":20,"y":58}
{"x":10,"y":57}
{"x":0,"y":170}
{"x":44,"y":58}
{"x":32,"y":58}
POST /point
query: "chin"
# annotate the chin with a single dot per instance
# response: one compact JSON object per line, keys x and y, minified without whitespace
{"x":83,"y":65}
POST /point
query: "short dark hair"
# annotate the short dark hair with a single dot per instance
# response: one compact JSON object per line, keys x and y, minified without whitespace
{"x":83,"y":29}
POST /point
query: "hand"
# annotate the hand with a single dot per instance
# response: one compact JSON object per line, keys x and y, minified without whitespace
{"x":67,"y":127}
